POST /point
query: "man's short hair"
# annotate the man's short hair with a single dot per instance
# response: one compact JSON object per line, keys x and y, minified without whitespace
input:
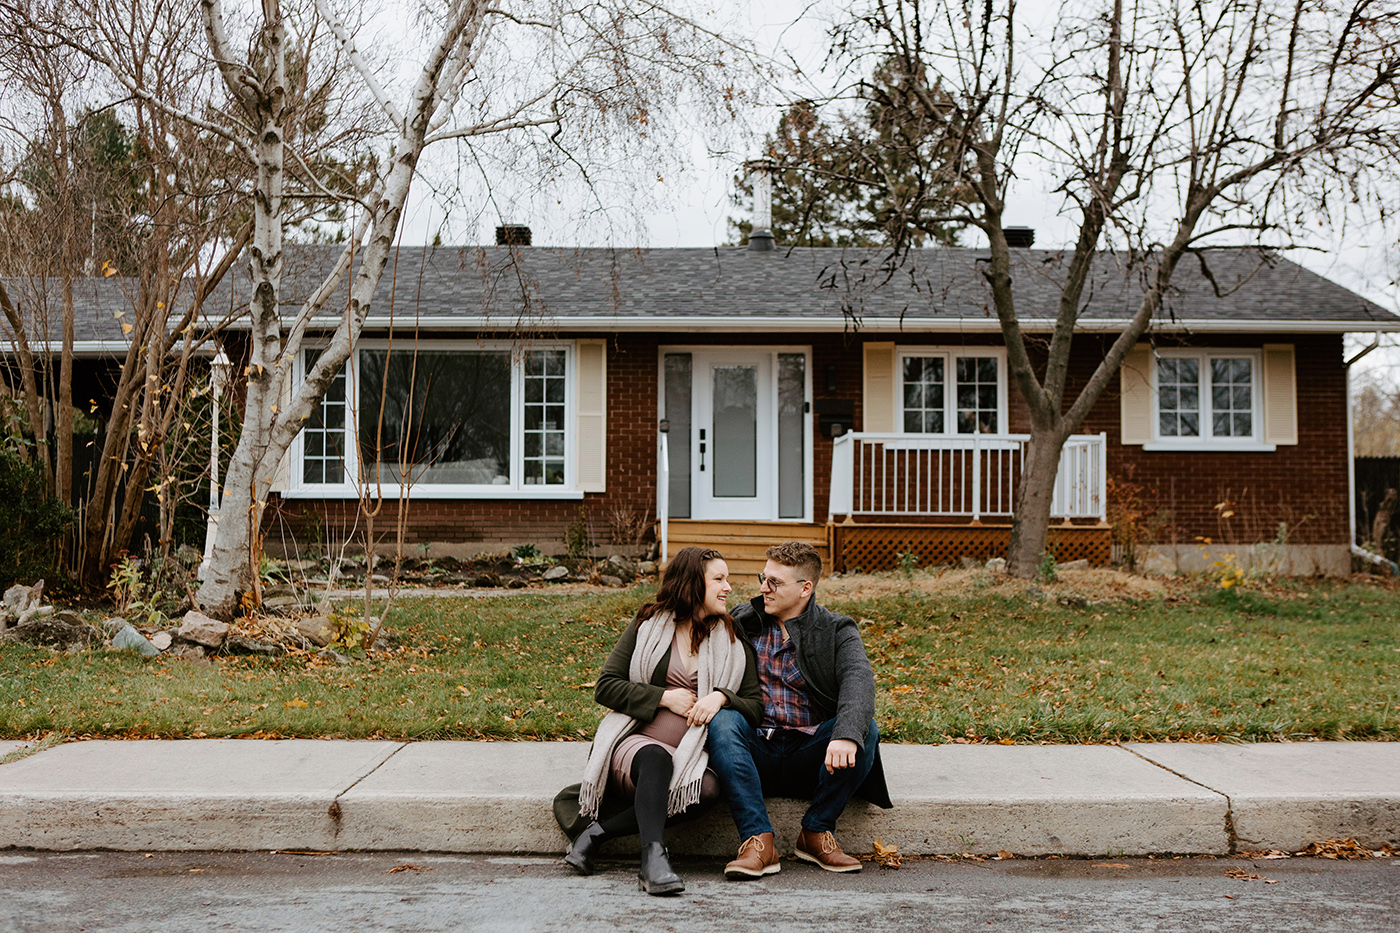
{"x":800,"y":557}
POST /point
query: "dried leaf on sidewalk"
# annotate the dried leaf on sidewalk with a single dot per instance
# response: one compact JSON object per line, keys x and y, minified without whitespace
{"x":406,"y":867}
{"x":1002,"y":855}
{"x":884,"y":856}
{"x":1347,"y":849}
{"x":1241,"y":874}
{"x":1264,"y":854}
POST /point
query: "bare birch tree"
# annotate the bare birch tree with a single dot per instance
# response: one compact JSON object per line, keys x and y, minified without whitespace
{"x":580,"y":81}
{"x":1167,"y":127}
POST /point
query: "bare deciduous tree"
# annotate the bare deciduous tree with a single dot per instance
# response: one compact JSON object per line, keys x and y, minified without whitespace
{"x":582,"y":81}
{"x":1166,"y":127}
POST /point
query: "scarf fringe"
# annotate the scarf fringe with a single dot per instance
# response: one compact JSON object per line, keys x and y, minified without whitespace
{"x":684,"y":796}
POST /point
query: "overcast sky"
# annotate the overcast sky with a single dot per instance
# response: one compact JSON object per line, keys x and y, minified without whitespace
{"x":692,"y":210}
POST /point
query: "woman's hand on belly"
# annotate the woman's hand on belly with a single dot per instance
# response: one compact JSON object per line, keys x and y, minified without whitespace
{"x":678,"y":701}
{"x":704,"y":710}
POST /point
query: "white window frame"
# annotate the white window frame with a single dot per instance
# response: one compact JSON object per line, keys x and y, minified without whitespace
{"x":515,"y":489}
{"x":1206,"y":440}
{"x":950,"y":357}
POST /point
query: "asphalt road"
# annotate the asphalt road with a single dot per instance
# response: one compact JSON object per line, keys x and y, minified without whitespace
{"x":265,"y":892}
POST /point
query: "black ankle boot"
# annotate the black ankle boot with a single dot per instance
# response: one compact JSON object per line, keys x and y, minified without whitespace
{"x":656,"y":876}
{"x":586,"y":844}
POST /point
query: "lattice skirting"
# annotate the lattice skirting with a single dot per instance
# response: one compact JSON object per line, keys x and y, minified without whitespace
{"x":878,"y":547}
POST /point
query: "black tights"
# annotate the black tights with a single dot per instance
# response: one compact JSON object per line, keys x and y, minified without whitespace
{"x":651,"y":775}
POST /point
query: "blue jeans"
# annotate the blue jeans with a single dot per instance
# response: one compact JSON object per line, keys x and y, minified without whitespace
{"x":790,"y":764}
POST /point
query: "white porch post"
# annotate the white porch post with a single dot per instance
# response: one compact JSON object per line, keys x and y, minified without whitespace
{"x":842,"y":470}
{"x":663,"y":492}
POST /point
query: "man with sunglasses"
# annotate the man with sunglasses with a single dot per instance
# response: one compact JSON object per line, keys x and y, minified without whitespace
{"x":818,"y":738}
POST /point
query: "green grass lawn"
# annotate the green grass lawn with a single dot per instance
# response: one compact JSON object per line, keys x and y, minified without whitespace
{"x":1302,"y":660}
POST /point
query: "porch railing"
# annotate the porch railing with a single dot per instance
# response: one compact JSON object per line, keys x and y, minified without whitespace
{"x":965,"y":475}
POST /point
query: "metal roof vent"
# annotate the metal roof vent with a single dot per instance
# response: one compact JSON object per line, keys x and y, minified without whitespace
{"x":1020,"y":237}
{"x":512,"y":235}
{"x":761,"y":235}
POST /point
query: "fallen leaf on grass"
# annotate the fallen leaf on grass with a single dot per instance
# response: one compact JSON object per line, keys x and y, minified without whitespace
{"x":298,"y":702}
{"x":884,"y":856}
{"x":406,"y":867}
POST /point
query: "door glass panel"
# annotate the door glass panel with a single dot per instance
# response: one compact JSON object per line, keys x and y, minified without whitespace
{"x":678,"y":441}
{"x":792,"y":394}
{"x":735,"y":439}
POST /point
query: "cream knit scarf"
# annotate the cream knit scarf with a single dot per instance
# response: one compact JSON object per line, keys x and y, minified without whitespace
{"x":721,"y":664}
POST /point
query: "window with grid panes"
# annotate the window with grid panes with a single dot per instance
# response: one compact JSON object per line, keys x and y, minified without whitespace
{"x":971,"y":404}
{"x":1207,"y":395}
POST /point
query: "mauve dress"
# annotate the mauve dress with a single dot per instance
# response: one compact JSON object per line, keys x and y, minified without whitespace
{"x":666,"y":729}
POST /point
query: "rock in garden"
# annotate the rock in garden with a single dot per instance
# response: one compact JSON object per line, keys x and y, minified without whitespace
{"x":319,"y":630}
{"x":279,"y":589}
{"x":378,"y":578}
{"x":1073,"y":565}
{"x":187,"y":653}
{"x":331,"y":655}
{"x":623,"y":564}
{"x":114,"y":624}
{"x":53,"y":633}
{"x":36,"y":612}
{"x":280,"y":602}
{"x":610,"y":581}
{"x":647,"y":567}
{"x":303,"y":566}
{"x":19,"y":598}
{"x":202,"y":630}
{"x":237,"y":644}
{"x":997,"y":565}
{"x":128,"y":639}
{"x":161,"y":640}
{"x":556,"y":573}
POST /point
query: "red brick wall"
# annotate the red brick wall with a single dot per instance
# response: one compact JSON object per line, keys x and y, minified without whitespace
{"x":1303,"y":485}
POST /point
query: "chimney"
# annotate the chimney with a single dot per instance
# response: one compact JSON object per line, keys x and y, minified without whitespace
{"x":761,"y":236}
{"x":512,"y":235}
{"x":1019,"y":237}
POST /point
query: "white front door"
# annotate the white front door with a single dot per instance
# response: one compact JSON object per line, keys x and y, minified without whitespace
{"x":739,"y":438}
{"x":732,"y":435}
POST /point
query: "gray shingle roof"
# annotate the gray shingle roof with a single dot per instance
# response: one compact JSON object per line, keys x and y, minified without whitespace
{"x":476,"y":288}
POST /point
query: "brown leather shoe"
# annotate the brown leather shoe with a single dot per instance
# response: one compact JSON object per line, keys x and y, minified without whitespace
{"x":822,"y":849}
{"x":757,"y":857}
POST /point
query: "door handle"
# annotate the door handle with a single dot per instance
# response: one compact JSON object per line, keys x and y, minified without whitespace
{"x":702,"y":450}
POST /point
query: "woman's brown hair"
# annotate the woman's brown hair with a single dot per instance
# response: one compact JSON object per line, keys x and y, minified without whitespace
{"x":682,"y":594}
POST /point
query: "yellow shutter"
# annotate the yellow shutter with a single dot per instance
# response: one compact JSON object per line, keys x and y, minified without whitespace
{"x":1135,"y":396}
{"x":591,"y":416}
{"x":878,"y":399}
{"x":1280,"y":395}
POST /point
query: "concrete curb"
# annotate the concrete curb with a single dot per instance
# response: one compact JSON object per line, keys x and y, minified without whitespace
{"x":495,"y":798}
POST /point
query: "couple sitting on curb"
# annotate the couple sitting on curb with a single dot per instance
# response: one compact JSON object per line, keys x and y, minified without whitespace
{"x":780,"y":701}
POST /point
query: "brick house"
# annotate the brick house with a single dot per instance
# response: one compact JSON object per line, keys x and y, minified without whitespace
{"x":737,"y":396}
{"x":747,"y":395}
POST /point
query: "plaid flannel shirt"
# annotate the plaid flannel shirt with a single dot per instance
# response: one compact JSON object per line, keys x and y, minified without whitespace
{"x":785,"y":701}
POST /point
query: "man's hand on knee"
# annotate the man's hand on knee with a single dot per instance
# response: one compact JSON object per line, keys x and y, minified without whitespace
{"x":841,"y":753}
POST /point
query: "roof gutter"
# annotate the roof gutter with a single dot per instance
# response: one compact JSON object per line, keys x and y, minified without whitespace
{"x":748,"y":323}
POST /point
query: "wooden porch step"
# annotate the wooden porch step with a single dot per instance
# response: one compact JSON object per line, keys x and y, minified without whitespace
{"x":743,"y":543}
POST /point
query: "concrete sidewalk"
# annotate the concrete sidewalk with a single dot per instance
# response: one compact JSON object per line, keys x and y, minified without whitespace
{"x":495,"y":797}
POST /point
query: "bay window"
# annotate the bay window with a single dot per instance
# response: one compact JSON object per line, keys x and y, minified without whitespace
{"x":481,"y":420}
